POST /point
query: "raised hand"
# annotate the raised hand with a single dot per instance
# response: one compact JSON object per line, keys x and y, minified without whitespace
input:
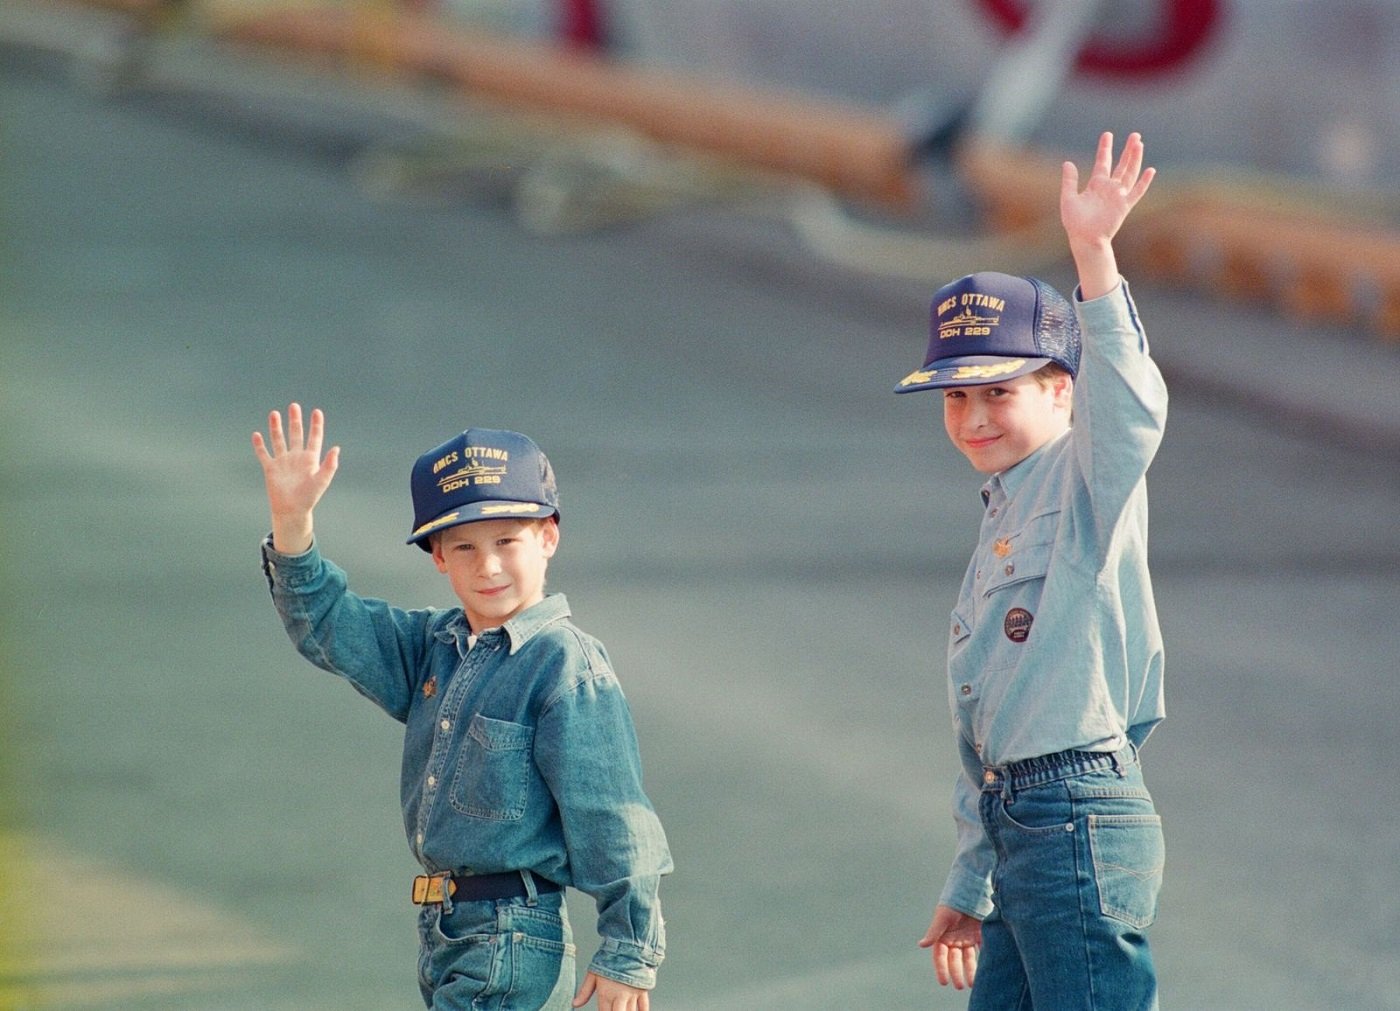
{"x":1092,"y":216}
{"x":296,"y":475}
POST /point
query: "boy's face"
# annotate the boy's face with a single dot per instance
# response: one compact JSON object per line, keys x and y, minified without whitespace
{"x":496,"y":567}
{"x":998,"y":425}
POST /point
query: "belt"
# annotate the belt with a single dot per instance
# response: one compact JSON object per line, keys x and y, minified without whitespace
{"x":428,"y":888}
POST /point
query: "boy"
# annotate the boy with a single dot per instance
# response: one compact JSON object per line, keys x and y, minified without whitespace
{"x":1054,"y":655}
{"x":520,"y":766}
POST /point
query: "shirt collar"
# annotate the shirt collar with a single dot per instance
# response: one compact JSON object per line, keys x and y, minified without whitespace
{"x":1004,"y":485}
{"x":519,"y":630}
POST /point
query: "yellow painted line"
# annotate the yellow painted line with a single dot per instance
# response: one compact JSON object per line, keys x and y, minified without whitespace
{"x":136,"y":937}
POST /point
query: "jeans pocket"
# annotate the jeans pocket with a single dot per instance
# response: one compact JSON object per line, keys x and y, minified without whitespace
{"x":1039,"y":810}
{"x":493,"y":770}
{"x":541,"y":973}
{"x":1129,"y":853}
{"x":460,"y":955}
{"x":540,"y":955}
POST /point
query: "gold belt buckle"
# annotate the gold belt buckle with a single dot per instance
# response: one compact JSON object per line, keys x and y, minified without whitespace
{"x":428,"y":888}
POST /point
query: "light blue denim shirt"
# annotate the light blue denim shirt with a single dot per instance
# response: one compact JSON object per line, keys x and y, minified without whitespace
{"x":519,"y":749}
{"x":1054,"y":644}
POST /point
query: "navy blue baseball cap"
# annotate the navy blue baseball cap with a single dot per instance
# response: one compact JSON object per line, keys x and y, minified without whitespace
{"x":990,"y":327}
{"x":482,"y":474}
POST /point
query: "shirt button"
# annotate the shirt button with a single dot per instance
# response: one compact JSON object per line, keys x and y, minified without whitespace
{"x":966,"y":689}
{"x":432,"y":781}
{"x":1010,"y":568}
{"x":446,"y":724}
{"x":420,"y":838}
{"x":957,"y":630}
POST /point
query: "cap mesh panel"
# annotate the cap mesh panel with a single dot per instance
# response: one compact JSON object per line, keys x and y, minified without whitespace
{"x":1056,"y":327}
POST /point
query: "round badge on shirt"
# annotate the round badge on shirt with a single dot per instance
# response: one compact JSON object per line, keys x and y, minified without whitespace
{"x":1017,"y":625}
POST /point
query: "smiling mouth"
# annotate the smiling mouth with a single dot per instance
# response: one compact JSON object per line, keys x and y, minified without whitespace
{"x":492,"y":591}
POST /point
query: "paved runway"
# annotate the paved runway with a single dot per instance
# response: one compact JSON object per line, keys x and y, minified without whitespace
{"x":765,"y":538}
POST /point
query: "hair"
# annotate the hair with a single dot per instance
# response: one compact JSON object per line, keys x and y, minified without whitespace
{"x":1048,"y":373}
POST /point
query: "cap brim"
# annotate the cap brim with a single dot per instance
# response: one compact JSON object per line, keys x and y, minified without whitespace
{"x":489,"y":509}
{"x":970,"y":370}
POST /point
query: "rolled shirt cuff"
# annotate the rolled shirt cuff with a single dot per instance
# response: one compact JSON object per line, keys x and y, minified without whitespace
{"x":627,"y":963}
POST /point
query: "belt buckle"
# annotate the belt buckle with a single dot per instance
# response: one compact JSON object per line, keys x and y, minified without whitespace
{"x":428,"y":888}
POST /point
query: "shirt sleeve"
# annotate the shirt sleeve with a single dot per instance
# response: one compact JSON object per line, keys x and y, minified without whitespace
{"x":969,"y":885}
{"x":377,"y":648}
{"x":1120,"y":404}
{"x":586,"y":749}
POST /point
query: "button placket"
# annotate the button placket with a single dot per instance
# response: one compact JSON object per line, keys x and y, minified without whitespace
{"x":448,"y":713}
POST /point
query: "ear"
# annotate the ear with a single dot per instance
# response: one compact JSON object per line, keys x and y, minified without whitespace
{"x":1063,"y":388}
{"x":549,"y":537}
{"x":438,"y":558}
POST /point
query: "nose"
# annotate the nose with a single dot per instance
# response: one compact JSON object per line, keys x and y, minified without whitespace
{"x":489,"y":563}
{"x":974,"y":414}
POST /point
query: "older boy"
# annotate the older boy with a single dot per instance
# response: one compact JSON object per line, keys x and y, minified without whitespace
{"x":1054,"y":653}
{"x":520,"y":766}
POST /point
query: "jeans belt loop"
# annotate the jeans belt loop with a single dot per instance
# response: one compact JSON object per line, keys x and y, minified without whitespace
{"x":532,"y":896}
{"x":447,"y":888}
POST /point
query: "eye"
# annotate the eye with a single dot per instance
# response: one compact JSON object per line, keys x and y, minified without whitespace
{"x":953,"y":394}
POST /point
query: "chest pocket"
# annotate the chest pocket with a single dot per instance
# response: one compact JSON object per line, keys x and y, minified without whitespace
{"x":493,"y":770}
{"x":958,"y":631}
{"x":1027,"y":556}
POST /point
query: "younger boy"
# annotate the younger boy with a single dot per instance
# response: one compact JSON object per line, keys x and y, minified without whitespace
{"x":1054,"y":653}
{"x":521,"y":772}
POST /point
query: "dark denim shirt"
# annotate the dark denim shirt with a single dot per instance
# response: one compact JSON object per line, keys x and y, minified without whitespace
{"x":519,"y":749}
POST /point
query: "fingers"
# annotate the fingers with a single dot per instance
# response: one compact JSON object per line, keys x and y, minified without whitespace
{"x":1069,"y":182}
{"x":940,"y":964}
{"x":585,"y":990}
{"x":1144,"y":181}
{"x":962,"y":966}
{"x":955,"y":964}
{"x":260,"y":449}
{"x":293,"y":438}
{"x":275,"y":434}
{"x":318,"y":428}
{"x":1130,"y":162}
{"x":1130,"y":174}
{"x":1103,"y":158}
{"x":328,"y":468}
{"x":1127,"y":172}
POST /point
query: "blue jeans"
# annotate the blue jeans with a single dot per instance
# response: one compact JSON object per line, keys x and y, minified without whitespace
{"x":1079,"y":853}
{"x":497,"y":955}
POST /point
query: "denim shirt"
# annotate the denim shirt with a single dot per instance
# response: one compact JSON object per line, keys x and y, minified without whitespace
{"x":1054,"y":643}
{"x":519,"y":749}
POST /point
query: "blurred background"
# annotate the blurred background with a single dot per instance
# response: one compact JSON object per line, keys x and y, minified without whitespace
{"x":688,"y":246}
